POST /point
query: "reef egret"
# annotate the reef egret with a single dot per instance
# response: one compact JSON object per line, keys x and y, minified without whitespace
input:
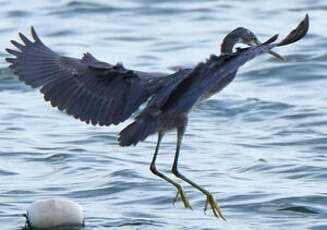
{"x":101,"y":93}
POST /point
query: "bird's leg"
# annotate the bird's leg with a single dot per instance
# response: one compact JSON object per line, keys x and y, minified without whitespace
{"x":210,"y":199}
{"x":158,"y":173}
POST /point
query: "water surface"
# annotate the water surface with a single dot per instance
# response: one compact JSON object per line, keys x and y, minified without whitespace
{"x":260,"y":146}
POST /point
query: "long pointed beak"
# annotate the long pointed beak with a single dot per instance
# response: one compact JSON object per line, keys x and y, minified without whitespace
{"x":276,"y":55}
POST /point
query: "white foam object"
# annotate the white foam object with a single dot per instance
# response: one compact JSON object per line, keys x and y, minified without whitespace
{"x":54,"y":212}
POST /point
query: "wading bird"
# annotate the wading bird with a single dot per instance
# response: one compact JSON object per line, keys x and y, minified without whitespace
{"x":100,"y":93}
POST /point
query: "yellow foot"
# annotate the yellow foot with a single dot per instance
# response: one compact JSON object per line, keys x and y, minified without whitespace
{"x":214,"y":206}
{"x":181,"y":193}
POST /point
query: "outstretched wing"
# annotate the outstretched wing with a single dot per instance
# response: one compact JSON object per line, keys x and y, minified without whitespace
{"x":205,"y":78}
{"x":86,"y":88}
{"x":299,"y":32}
{"x":217,"y":72}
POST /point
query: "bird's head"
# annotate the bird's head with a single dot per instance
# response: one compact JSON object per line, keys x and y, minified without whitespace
{"x":243,"y":36}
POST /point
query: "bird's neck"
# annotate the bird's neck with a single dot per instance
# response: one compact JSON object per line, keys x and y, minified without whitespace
{"x":228,"y":43}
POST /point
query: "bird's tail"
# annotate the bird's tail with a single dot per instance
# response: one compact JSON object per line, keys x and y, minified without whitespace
{"x":139,"y":130}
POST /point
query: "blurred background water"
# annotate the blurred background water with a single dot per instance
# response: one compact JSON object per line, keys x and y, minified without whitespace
{"x":260,"y":146}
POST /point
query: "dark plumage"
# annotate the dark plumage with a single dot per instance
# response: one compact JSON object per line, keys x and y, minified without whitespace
{"x":100,"y":93}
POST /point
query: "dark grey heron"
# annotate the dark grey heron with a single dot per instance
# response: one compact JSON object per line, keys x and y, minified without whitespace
{"x":100,"y":93}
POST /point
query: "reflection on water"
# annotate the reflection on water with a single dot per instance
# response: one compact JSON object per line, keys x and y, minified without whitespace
{"x":259,"y":146}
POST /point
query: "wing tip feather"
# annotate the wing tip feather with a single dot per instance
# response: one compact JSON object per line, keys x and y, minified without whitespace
{"x":34,"y":35}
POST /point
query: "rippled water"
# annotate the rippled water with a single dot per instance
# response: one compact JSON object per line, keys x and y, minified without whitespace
{"x":260,"y":146}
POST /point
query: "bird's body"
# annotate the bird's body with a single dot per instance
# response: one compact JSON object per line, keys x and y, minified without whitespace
{"x":100,"y":93}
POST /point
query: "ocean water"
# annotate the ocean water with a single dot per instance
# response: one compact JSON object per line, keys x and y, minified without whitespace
{"x":260,"y":146}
